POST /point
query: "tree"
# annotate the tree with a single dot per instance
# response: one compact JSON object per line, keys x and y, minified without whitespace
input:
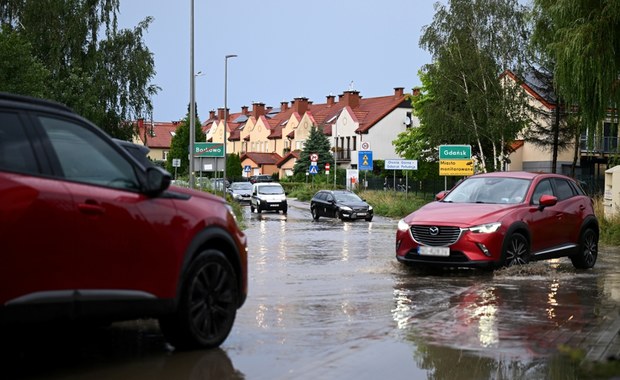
{"x":584,"y":43}
{"x":20,"y":71}
{"x":317,"y":142}
{"x":99,"y":71}
{"x":179,"y":146}
{"x":233,"y":166}
{"x":465,"y":100}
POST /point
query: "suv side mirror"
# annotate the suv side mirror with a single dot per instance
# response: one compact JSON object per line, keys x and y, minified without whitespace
{"x":547,"y":201}
{"x":157,"y":180}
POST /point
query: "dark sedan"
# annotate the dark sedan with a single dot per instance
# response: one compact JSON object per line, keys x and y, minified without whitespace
{"x":341,"y":204}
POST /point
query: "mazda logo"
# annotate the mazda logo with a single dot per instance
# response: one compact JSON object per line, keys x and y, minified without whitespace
{"x":434,"y":231}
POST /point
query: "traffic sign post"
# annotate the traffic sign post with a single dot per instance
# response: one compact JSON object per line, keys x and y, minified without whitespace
{"x":455,"y":152}
{"x":203,"y":149}
{"x":455,"y":160}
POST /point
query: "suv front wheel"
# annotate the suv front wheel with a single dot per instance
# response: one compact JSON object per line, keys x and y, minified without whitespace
{"x":207,"y":306}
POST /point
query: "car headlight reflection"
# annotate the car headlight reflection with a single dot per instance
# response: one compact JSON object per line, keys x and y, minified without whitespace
{"x":485,"y":228}
{"x":345,"y":208}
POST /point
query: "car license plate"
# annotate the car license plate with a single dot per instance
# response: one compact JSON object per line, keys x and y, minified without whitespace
{"x":434,"y":251}
{"x":361,"y":214}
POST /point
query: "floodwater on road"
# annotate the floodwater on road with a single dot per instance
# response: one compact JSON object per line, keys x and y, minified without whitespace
{"x":328,"y":300}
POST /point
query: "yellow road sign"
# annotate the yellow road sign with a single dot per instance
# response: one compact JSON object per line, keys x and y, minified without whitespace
{"x":456,"y":167}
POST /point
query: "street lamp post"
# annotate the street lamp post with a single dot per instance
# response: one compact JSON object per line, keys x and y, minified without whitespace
{"x":192,"y":98}
{"x":226,"y":114}
{"x":335,"y":154}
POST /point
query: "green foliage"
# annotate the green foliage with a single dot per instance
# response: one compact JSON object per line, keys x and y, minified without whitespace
{"x":84,"y":61}
{"x":20,"y":71}
{"x":392,"y":204}
{"x":179,"y":147}
{"x":583,"y":39}
{"x":463,"y":99}
{"x":233,"y":166}
{"x":318,"y":143}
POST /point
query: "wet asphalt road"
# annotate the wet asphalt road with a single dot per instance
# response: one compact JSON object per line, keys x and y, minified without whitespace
{"x":329,"y":301}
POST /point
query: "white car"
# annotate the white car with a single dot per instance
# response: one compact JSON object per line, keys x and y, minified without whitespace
{"x":267,"y":196}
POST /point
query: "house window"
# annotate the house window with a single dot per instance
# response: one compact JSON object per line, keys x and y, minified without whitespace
{"x":165,"y":155}
{"x":354,"y":142}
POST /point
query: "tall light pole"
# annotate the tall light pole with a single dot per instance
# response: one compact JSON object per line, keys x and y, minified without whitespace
{"x":335,"y":153}
{"x":225,"y":115}
{"x":192,"y":98}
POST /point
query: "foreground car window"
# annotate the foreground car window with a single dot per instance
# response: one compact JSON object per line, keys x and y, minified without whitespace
{"x":489,"y":190}
{"x":15,"y":150}
{"x":85,"y":157}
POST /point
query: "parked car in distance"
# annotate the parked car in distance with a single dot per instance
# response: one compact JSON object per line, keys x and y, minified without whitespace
{"x":261,"y":178}
{"x":268,"y":196}
{"x":341,"y":204}
{"x":240,"y":191}
{"x":114,"y":241}
{"x":502,"y":219}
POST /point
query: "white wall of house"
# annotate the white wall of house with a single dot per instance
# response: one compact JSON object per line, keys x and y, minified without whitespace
{"x":380,"y":136}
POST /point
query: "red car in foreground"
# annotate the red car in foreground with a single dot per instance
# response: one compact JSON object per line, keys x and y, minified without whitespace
{"x":91,"y":231}
{"x":502,"y":219}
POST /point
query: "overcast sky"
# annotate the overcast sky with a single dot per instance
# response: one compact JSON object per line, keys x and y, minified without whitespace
{"x":286,"y":49}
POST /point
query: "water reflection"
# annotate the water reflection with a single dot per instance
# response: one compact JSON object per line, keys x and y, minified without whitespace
{"x":74,"y":352}
{"x":498,"y":326}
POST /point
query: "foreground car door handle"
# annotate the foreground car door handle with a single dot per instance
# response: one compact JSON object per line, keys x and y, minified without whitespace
{"x":91,"y":208}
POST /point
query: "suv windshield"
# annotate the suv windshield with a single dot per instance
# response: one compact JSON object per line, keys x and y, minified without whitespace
{"x":489,"y":190}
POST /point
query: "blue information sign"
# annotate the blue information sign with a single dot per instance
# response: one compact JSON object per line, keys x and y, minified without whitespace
{"x":364,"y":160}
{"x":314,"y":169}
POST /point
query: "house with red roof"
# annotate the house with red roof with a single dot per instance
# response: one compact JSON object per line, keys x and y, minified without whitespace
{"x":269,"y":139}
{"x":157,"y":136}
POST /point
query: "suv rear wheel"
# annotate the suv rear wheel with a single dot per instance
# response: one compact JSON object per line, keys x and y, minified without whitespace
{"x":207,"y":305}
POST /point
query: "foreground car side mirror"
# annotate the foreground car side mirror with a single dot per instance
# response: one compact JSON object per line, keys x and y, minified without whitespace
{"x":547,"y":201}
{"x":157,"y":180}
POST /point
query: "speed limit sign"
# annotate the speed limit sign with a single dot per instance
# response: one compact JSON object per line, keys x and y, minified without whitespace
{"x":365,"y":145}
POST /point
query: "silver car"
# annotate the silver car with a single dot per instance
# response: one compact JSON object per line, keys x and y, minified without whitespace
{"x":240,"y":191}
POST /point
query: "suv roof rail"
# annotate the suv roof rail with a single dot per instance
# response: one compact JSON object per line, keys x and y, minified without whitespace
{"x":33,"y":100}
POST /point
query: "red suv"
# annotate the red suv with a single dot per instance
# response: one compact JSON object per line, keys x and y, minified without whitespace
{"x":89,"y":232}
{"x":502,"y":219}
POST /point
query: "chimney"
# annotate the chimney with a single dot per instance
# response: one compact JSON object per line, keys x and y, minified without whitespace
{"x":220,"y":113}
{"x":416,"y":91}
{"x":211,"y":114}
{"x":283,"y":106}
{"x":331,"y":100}
{"x":300,"y":105}
{"x":269,"y":109}
{"x":399,"y":92}
{"x":258,"y":109}
{"x":244,"y":110}
{"x":350,"y":98}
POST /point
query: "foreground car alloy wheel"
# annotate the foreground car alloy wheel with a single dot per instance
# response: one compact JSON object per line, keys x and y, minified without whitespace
{"x":207,"y":306}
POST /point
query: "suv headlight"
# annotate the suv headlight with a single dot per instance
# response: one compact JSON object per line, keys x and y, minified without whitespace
{"x":402,"y":225}
{"x":485,"y":228}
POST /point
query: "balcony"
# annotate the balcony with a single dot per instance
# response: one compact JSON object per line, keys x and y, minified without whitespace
{"x":606,"y":145}
{"x":343,"y":155}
